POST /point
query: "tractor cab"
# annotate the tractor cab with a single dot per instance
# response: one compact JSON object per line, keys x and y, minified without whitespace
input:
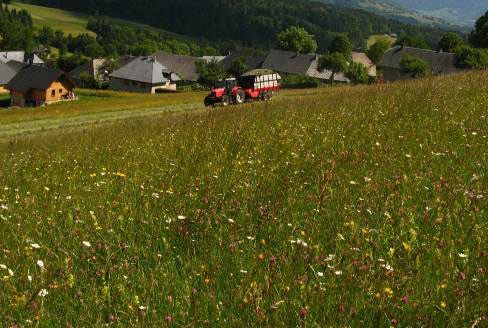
{"x":225,"y":86}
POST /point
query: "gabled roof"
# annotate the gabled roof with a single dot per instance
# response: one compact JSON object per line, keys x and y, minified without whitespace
{"x":35,"y":77}
{"x":184,"y":66}
{"x":6,"y":73}
{"x":19,"y":56}
{"x":289,"y":62}
{"x":143,"y":69}
{"x":16,"y":66}
{"x":440,"y":62}
{"x":313,"y":71}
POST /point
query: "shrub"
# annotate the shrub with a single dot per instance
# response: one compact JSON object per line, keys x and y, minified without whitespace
{"x":357,"y":73}
{"x":472,"y":58}
{"x":377,"y":50}
{"x":414,"y":66}
{"x":299,"y":82}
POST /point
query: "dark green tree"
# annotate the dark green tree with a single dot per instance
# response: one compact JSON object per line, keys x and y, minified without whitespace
{"x":296,"y":39}
{"x":479,"y":37}
{"x":413,"y":41}
{"x":210,"y":73}
{"x":68,"y":63}
{"x":335,"y":62}
{"x":238,"y":67}
{"x":450,"y":42}
{"x":341,"y":44}
{"x":377,"y":50}
{"x":357,"y":73}
{"x":472,"y":58}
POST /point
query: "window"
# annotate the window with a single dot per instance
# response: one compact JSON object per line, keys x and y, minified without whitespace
{"x":61,"y":91}
{"x":53,"y":93}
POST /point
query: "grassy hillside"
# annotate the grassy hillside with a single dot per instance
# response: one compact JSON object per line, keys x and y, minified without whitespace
{"x":353,"y":206}
{"x":75,"y":23}
{"x":375,"y":38}
{"x":67,"y":21}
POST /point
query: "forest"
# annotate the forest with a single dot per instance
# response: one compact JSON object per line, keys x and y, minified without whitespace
{"x":252,"y":23}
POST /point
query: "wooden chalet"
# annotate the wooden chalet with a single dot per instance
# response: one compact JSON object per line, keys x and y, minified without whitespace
{"x":38,"y":86}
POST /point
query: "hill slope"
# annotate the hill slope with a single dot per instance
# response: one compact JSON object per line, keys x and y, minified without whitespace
{"x":248,"y":22}
{"x":390,"y":9}
{"x":354,"y":206}
{"x":68,"y":21}
{"x":458,"y":11}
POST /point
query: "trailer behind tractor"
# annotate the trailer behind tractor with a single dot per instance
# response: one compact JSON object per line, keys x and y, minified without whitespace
{"x":255,"y":85}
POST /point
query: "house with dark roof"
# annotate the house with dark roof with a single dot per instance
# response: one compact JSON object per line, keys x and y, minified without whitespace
{"x":252,"y":60}
{"x":96,"y":69}
{"x":38,"y":85}
{"x":440,"y":62}
{"x":292,"y":63}
{"x":144,"y":75}
{"x":184,"y":66}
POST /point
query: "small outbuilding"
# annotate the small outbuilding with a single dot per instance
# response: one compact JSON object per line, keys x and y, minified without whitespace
{"x":38,"y":86}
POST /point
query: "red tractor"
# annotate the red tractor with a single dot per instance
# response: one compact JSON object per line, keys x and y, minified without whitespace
{"x":255,"y":85}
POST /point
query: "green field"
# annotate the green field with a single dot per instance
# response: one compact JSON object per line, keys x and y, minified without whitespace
{"x":337,"y":207}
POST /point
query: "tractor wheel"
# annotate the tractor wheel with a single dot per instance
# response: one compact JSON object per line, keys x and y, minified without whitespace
{"x":225,"y":100}
{"x":240,"y":97}
{"x":208,"y":102}
{"x":265,"y":96}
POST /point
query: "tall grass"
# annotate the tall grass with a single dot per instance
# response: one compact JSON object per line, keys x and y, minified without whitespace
{"x":361,"y":206}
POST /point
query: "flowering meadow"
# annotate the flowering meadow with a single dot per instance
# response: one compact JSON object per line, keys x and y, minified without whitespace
{"x":351,"y":206}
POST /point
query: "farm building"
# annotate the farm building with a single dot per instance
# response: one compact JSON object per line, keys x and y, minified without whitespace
{"x":291,"y":63}
{"x":97,"y":69}
{"x":143,"y":75}
{"x":184,"y":66}
{"x":440,"y":62}
{"x":21,"y":57}
{"x":38,"y":85}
